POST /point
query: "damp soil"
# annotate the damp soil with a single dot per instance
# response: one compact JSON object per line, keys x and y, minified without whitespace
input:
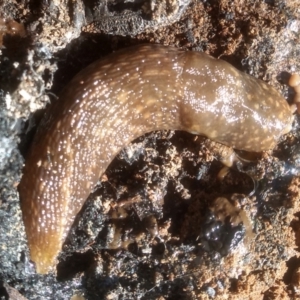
{"x":161,"y":222}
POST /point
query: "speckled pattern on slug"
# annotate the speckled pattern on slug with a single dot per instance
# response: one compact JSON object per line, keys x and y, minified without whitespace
{"x":121,"y":97}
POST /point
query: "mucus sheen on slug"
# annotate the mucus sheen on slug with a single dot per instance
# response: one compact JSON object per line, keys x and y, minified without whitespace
{"x":121,"y":97}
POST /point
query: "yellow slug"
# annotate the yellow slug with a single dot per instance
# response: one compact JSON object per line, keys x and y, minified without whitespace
{"x":121,"y":97}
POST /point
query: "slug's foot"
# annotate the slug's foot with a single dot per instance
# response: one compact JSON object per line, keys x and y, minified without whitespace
{"x":257,"y":166}
{"x":220,"y":152}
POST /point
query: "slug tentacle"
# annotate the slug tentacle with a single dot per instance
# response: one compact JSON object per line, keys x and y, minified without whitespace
{"x":123,"y":96}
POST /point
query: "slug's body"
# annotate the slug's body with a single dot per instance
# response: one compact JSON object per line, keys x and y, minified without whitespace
{"x":121,"y":97}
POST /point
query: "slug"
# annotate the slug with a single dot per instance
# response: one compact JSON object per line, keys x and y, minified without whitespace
{"x":121,"y":97}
